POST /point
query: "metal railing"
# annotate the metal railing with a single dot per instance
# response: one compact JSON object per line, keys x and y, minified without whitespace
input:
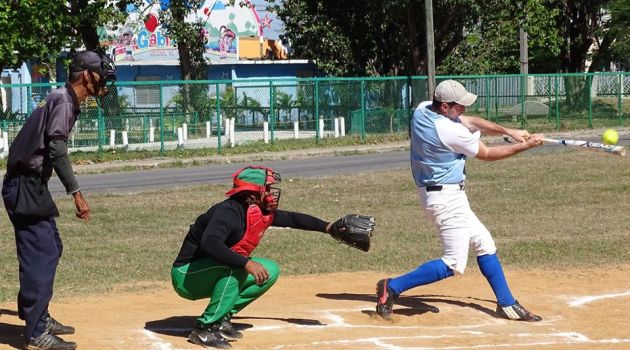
{"x":160,"y":115}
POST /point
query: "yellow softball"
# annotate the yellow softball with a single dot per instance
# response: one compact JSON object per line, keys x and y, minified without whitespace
{"x":610,"y":137}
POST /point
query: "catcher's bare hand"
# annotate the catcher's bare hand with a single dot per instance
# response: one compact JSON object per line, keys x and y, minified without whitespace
{"x":258,"y":271}
{"x":354,"y":230}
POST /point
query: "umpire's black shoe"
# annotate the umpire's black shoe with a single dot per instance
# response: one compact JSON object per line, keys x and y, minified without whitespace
{"x":517,"y":312}
{"x":49,"y":341}
{"x":385,"y":302}
{"x":227,"y":328}
{"x":55,"y":328}
{"x":209,"y":338}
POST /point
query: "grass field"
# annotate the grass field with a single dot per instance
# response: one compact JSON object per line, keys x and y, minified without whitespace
{"x":556,"y":209}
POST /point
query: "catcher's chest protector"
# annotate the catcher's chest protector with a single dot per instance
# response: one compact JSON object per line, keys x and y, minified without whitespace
{"x":256,"y":225}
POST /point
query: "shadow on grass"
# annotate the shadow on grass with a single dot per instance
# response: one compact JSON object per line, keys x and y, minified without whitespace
{"x":181,"y":326}
{"x":414,"y":305}
{"x":11,"y":335}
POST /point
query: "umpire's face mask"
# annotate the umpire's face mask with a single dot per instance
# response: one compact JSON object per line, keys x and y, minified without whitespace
{"x":96,"y":62}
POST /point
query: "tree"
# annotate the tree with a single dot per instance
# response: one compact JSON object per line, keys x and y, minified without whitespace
{"x":30,"y":33}
{"x":613,"y":38}
{"x":284,"y":103}
{"x":374,"y":37}
{"x":89,"y":15}
{"x":492,"y":45}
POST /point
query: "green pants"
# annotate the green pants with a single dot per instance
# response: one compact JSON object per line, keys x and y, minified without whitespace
{"x":229,"y":288}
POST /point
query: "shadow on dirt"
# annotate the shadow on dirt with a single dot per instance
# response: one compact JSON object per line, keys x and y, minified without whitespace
{"x":181,"y":326}
{"x":415,"y":305}
{"x":11,"y":335}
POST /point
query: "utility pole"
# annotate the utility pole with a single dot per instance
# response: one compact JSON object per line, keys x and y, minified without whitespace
{"x":524,"y":59}
{"x":524,"y":54}
{"x":428,"y":14}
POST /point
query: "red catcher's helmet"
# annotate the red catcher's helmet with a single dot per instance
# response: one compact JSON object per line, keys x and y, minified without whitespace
{"x":258,"y":179}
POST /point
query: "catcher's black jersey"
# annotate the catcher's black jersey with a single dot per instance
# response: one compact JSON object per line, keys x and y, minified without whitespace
{"x":224,"y":224}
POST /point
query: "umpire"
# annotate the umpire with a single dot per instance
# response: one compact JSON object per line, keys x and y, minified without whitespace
{"x":40,"y":147}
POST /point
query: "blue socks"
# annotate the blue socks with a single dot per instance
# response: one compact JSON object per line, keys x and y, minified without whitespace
{"x":491,"y":268}
{"x":435,"y":270}
{"x":429,"y":272}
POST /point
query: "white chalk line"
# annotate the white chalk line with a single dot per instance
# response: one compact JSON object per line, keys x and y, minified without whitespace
{"x":579,"y":301}
{"x":337,"y":321}
{"x":156,"y":342}
{"x":384,"y":342}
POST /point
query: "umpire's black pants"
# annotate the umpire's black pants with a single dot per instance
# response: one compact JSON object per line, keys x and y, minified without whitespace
{"x":39,"y":248}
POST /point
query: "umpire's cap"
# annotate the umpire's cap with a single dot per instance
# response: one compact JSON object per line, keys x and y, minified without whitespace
{"x":96,"y":62}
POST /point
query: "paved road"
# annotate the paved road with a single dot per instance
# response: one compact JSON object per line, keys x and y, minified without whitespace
{"x":138,"y":181}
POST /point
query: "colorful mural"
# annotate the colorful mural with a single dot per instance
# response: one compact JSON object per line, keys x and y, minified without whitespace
{"x":143,"y":39}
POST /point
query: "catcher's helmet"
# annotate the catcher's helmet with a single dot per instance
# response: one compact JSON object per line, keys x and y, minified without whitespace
{"x":258,"y":179}
{"x":97,"y":62}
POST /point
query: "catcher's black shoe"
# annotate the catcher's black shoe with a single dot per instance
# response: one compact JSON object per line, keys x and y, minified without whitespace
{"x":55,"y":328}
{"x":227,"y":328}
{"x":385,"y":302}
{"x":48,"y":341}
{"x":209,"y":337}
{"x":517,"y":312}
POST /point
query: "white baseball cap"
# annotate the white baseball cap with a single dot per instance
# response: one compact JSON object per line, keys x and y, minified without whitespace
{"x":452,"y":91}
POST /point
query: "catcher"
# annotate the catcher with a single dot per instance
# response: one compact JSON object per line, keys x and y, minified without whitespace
{"x":215,"y":258}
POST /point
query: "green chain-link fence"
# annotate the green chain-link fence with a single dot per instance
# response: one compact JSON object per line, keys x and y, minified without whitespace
{"x":160,"y":115}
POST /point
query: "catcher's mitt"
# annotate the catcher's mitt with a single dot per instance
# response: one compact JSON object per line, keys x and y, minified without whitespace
{"x":354,"y":230}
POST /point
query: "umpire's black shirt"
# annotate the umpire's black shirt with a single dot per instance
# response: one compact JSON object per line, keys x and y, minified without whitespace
{"x":52,"y":120}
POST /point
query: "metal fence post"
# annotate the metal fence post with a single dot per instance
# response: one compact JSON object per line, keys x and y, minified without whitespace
{"x":218,"y":112}
{"x":100,"y":120}
{"x":619,"y":98}
{"x":589,"y":86}
{"x":410,"y":110}
{"x":549,"y":98}
{"x":29,"y":99}
{"x":557,"y":91}
{"x":316,"y":95}
{"x":145,"y":128}
{"x":362,"y":110}
{"x":272,"y":106}
{"x":161,"y":119}
{"x":522,"y":98}
{"x":496,"y":98}
{"x":487,"y":99}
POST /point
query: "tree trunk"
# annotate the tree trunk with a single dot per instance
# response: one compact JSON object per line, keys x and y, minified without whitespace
{"x":576,"y":92}
{"x":86,"y":29}
{"x":414,"y":32}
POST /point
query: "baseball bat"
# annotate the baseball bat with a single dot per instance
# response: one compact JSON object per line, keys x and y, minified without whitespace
{"x":612,"y":149}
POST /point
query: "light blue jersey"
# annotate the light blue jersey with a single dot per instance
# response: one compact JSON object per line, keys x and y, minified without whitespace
{"x":439,"y":147}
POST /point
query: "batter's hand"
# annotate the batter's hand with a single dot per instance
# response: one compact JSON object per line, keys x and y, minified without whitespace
{"x":82,"y":207}
{"x":258,"y":271}
{"x":535,"y":140}
{"x":519,"y":135}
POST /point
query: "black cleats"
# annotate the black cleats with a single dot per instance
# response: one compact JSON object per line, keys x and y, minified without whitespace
{"x":49,"y":341}
{"x":209,"y":337}
{"x":227,"y":328}
{"x":385,"y":302}
{"x":55,"y":328}
{"x":517,"y":312}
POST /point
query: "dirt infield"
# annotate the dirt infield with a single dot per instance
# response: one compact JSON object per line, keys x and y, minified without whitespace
{"x":582,"y":309}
